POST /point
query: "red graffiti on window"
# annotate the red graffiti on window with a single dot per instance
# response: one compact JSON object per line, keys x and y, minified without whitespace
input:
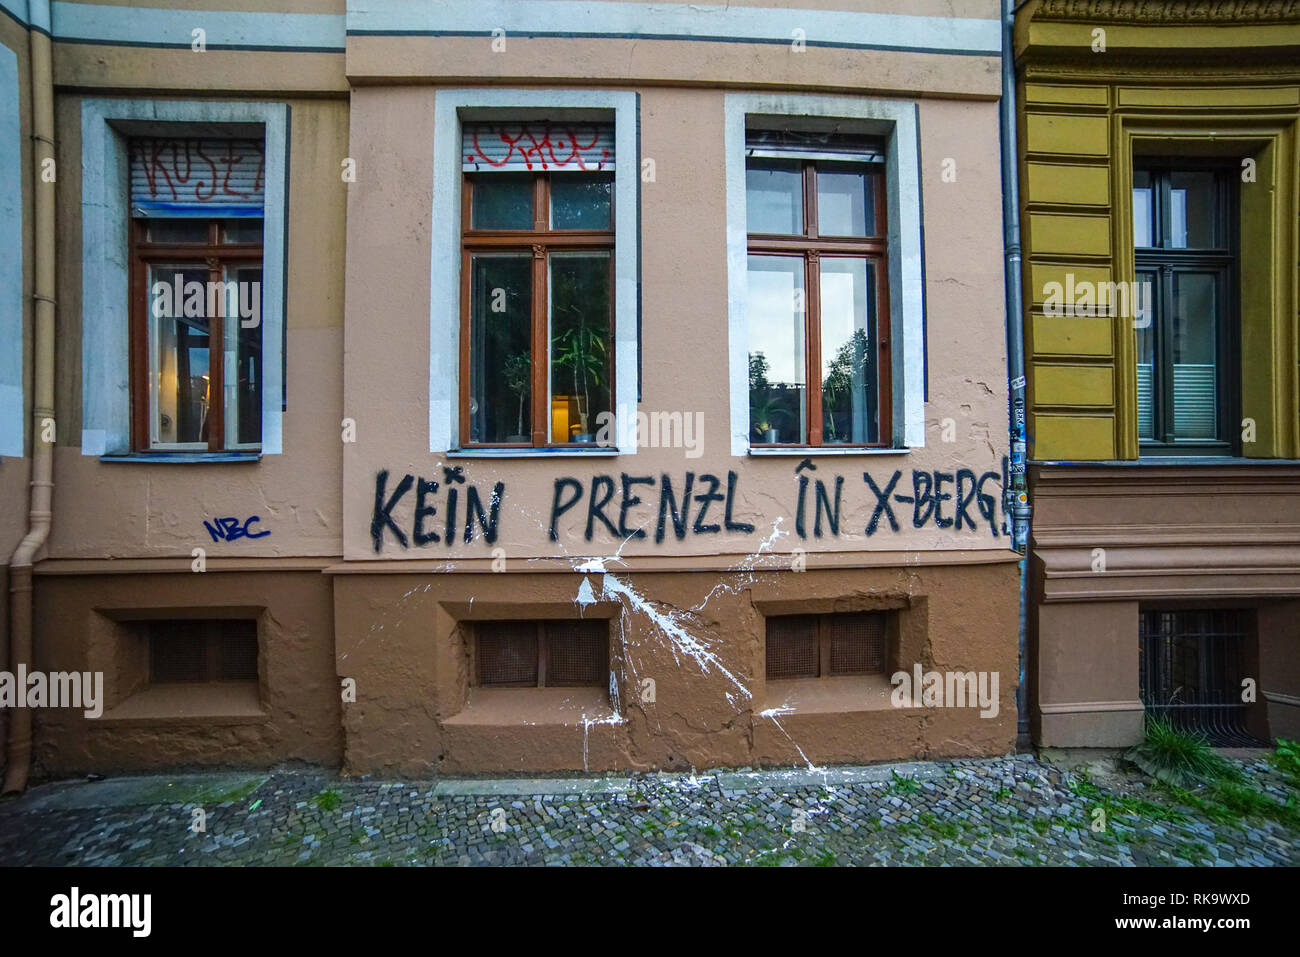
{"x":544,"y":145}
{"x":192,"y":170}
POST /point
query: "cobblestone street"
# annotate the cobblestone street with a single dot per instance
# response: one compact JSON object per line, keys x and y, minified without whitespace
{"x":1013,"y":810}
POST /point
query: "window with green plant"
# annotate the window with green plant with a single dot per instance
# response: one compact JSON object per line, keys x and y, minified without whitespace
{"x":817,"y":315}
{"x":537,"y":350}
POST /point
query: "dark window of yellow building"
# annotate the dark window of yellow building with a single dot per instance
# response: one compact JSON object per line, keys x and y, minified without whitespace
{"x":1188,"y":320}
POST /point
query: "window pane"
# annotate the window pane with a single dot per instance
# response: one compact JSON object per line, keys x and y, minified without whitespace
{"x":170,"y":231}
{"x":500,"y":361}
{"x":1146,"y":355}
{"x":178,"y":355}
{"x":1191,"y":210}
{"x":243,"y":331}
{"x":775,"y":313}
{"x":1195,"y":327}
{"x":1143,"y":210}
{"x":243,"y":231}
{"x":844,"y":202}
{"x":848,"y":321}
{"x":502,"y":201}
{"x":581,"y":200}
{"x":581,"y":348}
{"x":774,"y":198}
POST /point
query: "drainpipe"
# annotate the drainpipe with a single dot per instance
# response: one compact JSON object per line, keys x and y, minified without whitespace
{"x":18,"y":759}
{"x":1018,"y":494}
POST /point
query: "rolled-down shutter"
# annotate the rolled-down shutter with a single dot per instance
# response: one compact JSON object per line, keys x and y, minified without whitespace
{"x":792,"y":144}
{"x":538,"y":147}
{"x":197,"y":177}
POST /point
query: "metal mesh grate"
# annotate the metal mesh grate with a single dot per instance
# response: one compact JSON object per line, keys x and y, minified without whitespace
{"x":507,"y":653}
{"x":239,"y":651}
{"x":178,"y":651}
{"x":576,"y":653}
{"x":792,"y":647}
{"x":857,"y":643}
{"x":1191,"y":665}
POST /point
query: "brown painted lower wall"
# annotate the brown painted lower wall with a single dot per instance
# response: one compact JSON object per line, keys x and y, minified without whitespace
{"x":91,"y":623}
{"x":687,"y":657}
{"x":1110,"y":541}
{"x":687,"y":666}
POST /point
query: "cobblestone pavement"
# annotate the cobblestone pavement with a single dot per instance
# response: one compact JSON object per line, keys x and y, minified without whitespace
{"x":1012,"y":810}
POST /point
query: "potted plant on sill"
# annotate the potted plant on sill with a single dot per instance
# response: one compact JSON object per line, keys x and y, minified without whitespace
{"x":518,"y":373}
{"x":582,"y":351}
{"x":764,"y":408}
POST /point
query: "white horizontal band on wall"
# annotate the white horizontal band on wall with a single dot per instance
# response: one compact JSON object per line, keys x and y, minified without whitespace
{"x":327,"y":32}
{"x":537,"y":146}
{"x":677,"y":21}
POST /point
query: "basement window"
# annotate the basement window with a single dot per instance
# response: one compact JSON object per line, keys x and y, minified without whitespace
{"x":202,"y":650}
{"x":821,"y":646}
{"x":1191,"y":665}
{"x":542,"y":654}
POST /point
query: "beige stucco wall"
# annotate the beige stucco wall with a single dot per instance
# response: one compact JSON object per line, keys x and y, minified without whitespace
{"x":684,"y":341}
{"x":119,"y":509}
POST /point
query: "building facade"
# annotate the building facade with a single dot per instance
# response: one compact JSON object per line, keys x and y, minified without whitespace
{"x":528,"y":386}
{"x":1159,"y":206}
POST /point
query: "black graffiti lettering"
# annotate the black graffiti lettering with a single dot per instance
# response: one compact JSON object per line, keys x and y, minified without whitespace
{"x":596,"y":509}
{"x":629,"y":501}
{"x":986,"y":503}
{"x":712,"y":495}
{"x":452,"y":494}
{"x":668,"y":504}
{"x":921,"y":498}
{"x":940,"y":497}
{"x":823,"y":503}
{"x":382,"y":516}
{"x":798,"y":511}
{"x":965,"y":498}
{"x":422,"y":511}
{"x":558,"y":509}
{"x":474,"y":507}
{"x":882,"y":502}
{"x":733,"y":526}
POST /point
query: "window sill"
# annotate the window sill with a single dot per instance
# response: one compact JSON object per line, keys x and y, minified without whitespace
{"x":804,"y":451}
{"x":828,"y":695}
{"x":207,"y":703}
{"x":599,"y":452}
{"x":184,"y":458}
{"x":1147,"y":460}
{"x":549,"y":707}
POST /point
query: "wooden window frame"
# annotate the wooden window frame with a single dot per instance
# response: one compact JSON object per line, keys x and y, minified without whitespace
{"x":1165,"y":262}
{"x":824,"y":646}
{"x":811,"y":247}
{"x":215,"y":255}
{"x":543,"y":659}
{"x":541,"y":240}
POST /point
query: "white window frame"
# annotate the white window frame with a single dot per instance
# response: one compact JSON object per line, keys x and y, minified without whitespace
{"x":896,"y":122}
{"x":105,"y":303}
{"x":452,"y":107}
